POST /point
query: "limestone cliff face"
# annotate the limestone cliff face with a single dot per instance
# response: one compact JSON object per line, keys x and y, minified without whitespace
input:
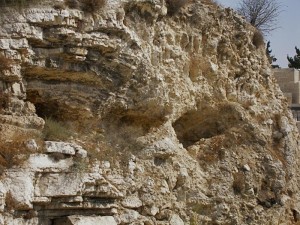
{"x":181,"y":110}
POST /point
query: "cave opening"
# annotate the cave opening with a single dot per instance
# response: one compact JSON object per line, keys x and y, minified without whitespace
{"x":193,"y":126}
{"x":44,"y":106}
{"x":59,"y":108}
{"x":47,"y":110}
{"x":205,"y":123}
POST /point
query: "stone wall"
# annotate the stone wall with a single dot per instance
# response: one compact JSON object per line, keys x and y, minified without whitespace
{"x":288,"y":80}
{"x":177,"y":118}
{"x":289,"y":83}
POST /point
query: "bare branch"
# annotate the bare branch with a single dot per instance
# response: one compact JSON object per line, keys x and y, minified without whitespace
{"x":262,"y":14}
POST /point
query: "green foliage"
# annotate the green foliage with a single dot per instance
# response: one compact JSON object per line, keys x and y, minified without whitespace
{"x":294,"y":62}
{"x":55,"y":130}
{"x":271,"y":58}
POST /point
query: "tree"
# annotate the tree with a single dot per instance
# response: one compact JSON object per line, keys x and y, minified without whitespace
{"x":262,"y":14}
{"x":271,"y":58}
{"x":294,"y":62}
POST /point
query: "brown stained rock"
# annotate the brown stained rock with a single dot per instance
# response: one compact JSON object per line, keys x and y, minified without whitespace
{"x":179,"y":117}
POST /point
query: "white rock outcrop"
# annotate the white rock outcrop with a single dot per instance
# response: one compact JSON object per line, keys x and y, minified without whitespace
{"x":84,"y":220}
{"x":171,"y":117}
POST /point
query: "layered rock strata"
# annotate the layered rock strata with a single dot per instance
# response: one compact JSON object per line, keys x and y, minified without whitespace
{"x":181,"y":120}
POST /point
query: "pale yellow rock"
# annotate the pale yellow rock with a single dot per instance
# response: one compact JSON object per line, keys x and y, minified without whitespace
{"x":175,"y":118}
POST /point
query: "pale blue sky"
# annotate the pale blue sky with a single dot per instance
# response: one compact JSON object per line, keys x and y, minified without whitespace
{"x":287,"y":36}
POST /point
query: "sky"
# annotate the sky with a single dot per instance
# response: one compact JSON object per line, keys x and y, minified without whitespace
{"x":287,"y":36}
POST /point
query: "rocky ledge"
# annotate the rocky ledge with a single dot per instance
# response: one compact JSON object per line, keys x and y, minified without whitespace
{"x":173,"y":117}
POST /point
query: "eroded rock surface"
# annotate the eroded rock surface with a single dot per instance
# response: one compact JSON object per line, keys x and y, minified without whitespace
{"x":178,"y":118}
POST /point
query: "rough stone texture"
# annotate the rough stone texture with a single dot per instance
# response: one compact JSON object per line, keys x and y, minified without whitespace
{"x":84,"y":220}
{"x":180,"y":115}
{"x":132,"y":202}
{"x":59,"y":147}
{"x":176,"y":220}
{"x":65,"y":148}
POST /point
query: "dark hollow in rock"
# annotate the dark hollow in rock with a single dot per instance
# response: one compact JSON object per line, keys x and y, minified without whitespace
{"x":206,"y":123}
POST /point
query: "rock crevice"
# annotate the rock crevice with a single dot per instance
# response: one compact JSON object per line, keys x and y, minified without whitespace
{"x":174,"y":117}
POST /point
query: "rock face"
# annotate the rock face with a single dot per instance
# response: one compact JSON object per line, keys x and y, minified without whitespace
{"x":181,"y":121}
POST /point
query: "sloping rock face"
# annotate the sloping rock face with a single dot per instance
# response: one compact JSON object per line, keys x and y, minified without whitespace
{"x":179,"y":115}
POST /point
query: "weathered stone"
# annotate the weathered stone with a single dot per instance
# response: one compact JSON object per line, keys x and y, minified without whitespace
{"x":176,"y":220}
{"x":80,"y":152}
{"x":277,"y":135}
{"x":129,"y":216}
{"x":44,"y":162}
{"x":163,"y":148}
{"x":19,"y":190}
{"x":182,"y":177}
{"x":84,"y":220}
{"x":88,"y":184}
{"x":65,"y":148}
{"x":153,"y":210}
{"x":23,"y":122}
{"x":179,"y":113}
{"x":32,"y":145}
{"x":285,"y":127}
{"x":2,"y":197}
{"x":246,"y":167}
{"x":41,"y":200}
{"x":132,"y":202}
{"x":59,"y":147}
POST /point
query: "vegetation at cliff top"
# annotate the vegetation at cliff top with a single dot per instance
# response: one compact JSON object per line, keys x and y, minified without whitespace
{"x":262,"y":14}
{"x":271,"y":58}
{"x":294,"y":62}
